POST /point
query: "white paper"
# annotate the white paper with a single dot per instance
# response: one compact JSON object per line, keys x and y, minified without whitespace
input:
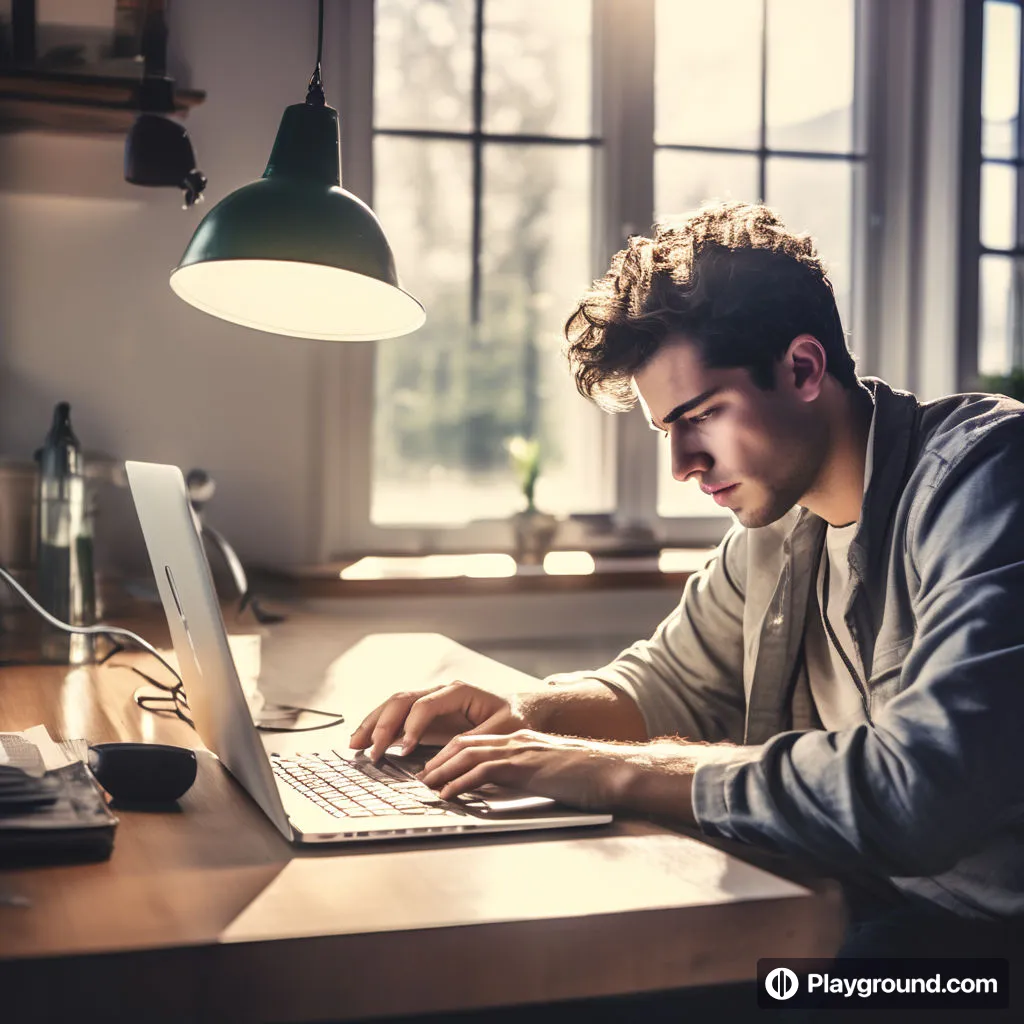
{"x":52,"y":755}
{"x":23,"y":753}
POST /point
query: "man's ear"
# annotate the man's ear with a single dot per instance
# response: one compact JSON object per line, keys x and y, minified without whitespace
{"x":805,"y":365}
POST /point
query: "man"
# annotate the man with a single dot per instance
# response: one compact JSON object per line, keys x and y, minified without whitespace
{"x":844,"y":680}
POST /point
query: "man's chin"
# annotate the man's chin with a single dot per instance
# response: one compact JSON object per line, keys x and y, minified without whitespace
{"x":752,"y":519}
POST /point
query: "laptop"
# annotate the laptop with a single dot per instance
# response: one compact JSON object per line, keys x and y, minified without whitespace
{"x":318,"y":796}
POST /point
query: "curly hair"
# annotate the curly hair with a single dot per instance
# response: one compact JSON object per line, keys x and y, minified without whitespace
{"x":730,"y":277}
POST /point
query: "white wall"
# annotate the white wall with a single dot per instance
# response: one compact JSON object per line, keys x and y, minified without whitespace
{"x":86,"y":314}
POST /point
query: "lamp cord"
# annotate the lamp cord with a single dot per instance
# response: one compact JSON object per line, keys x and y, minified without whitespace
{"x":320,"y":35}
{"x":315,"y":91}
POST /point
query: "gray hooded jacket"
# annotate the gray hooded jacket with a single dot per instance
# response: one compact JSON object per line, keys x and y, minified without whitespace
{"x":930,"y":792}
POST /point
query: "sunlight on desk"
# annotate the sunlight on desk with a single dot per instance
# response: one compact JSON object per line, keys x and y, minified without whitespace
{"x":75,"y":699}
{"x":445,"y":888}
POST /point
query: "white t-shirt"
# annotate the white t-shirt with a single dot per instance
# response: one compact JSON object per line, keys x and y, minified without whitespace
{"x":837,"y":696}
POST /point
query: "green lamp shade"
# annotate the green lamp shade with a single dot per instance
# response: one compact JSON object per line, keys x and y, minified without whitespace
{"x":294,"y":253}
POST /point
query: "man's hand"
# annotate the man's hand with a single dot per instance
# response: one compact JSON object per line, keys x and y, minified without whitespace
{"x":587,"y":708}
{"x":652,"y":778}
{"x":437,"y":714}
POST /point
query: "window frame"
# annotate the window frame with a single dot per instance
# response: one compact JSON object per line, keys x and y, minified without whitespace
{"x":887,"y":337}
{"x":974,"y":161}
{"x":969,"y":227}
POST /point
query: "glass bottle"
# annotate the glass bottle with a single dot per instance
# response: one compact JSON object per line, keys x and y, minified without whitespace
{"x":67,"y":585}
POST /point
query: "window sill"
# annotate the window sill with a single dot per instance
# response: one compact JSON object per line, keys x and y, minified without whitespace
{"x":428,"y":576}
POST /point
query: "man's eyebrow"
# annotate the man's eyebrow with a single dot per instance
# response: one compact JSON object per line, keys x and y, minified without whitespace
{"x":683,"y":408}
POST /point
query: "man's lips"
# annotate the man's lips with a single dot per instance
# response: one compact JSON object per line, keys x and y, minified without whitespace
{"x":720,"y":495}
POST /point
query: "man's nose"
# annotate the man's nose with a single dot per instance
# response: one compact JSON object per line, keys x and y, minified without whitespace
{"x":686,"y":459}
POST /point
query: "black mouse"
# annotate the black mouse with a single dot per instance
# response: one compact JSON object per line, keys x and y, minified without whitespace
{"x":151,"y":773}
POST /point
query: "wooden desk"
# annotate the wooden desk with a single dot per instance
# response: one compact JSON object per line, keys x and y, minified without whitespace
{"x":209,"y":914}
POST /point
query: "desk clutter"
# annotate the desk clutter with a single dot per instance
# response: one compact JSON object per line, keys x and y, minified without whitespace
{"x":51,"y":808}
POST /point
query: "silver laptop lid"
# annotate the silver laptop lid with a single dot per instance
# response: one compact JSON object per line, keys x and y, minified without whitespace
{"x":216,"y":700}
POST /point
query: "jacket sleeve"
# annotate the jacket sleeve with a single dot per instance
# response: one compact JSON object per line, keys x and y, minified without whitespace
{"x":687,"y":679}
{"x":939,"y":769}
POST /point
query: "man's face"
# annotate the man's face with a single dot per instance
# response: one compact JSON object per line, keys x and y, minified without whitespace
{"x":757,"y":452}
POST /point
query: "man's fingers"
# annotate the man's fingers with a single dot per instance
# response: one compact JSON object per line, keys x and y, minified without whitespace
{"x":491,"y":725}
{"x":360,"y":738}
{"x":430,"y":707}
{"x":454,"y":747}
{"x":490,"y":730}
{"x":475,"y":761}
{"x":461,"y":754}
{"x":389,"y":723}
{"x":450,"y":708}
{"x":501,"y":772}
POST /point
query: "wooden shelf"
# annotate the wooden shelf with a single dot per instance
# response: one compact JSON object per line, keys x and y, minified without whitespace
{"x":78,"y":103}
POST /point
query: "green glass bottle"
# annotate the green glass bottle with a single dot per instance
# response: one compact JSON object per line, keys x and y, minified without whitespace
{"x":67,"y":584}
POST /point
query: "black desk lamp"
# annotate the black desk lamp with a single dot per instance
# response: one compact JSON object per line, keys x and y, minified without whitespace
{"x":293,"y":252}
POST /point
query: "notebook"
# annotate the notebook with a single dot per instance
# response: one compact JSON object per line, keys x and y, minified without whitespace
{"x":317,"y":795}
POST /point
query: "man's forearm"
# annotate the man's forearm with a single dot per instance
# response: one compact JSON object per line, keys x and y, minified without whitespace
{"x":657,"y":777}
{"x":588,"y":709}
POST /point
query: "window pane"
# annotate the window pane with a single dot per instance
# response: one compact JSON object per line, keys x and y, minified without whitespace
{"x":1000,"y":79}
{"x":817,"y":196}
{"x":683,"y":180}
{"x":536,"y":265}
{"x":537,"y":67}
{"x":423,"y":64}
{"x":708,"y":72}
{"x":809,"y":102}
{"x":998,"y":205}
{"x":995,"y":313}
{"x":682,"y":499}
{"x":422,"y":194}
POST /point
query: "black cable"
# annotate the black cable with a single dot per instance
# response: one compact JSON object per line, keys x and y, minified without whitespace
{"x":320,"y":35}
{"x":315,"y":90}
{"x":98,"y":630}
{"x":336,"y":719}
{"x":173,"y":695}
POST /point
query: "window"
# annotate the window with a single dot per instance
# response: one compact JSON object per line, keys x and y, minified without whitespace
{"x":515,"y":145}
{"x":1001,"y":287}
{"x":483,"y":176}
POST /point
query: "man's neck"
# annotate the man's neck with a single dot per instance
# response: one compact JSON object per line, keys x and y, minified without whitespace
{"x":838,"y":493}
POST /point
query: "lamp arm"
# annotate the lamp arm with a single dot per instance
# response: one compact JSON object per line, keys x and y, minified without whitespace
{"x":231,"y":559}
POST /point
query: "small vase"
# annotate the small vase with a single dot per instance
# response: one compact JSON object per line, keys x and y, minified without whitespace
{"x":534,"y":533}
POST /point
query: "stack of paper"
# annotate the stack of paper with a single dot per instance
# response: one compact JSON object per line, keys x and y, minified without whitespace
{"x":50,"y":806}
{"x":33,"y":751}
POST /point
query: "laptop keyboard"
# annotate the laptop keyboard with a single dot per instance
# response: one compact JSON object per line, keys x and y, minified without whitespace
{"x":351,"y":789}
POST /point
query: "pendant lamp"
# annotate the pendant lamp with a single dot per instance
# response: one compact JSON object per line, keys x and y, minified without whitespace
{"x":294,"y":253}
